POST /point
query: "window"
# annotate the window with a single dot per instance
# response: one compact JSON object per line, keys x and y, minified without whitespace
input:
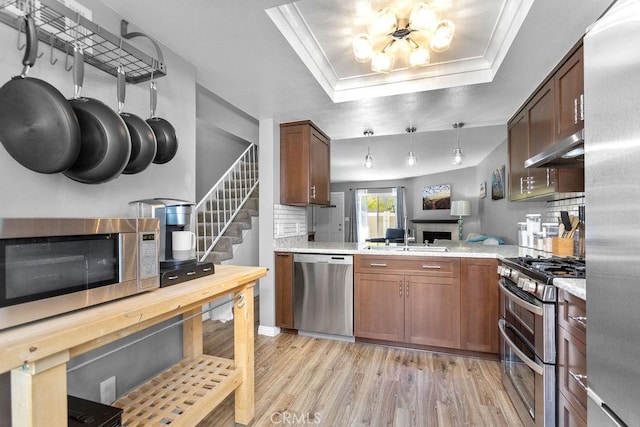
{"x":376,"y":210}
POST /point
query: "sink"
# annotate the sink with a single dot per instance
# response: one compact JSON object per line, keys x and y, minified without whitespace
{"x":409,"y":248}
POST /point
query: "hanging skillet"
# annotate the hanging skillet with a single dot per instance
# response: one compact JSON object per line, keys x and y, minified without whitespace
{"x":37,"y":125}
{"x":164,"y":131}
{"x":143,"y":140}
{"x":105,"y":145}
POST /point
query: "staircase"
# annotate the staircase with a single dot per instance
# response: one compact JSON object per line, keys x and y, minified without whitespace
{"x":228,"y":209}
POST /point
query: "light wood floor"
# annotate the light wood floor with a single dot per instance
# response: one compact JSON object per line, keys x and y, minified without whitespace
{"x":309,"y":381}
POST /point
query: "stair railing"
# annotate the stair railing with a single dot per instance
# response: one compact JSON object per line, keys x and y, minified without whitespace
{"x":221,"y":204}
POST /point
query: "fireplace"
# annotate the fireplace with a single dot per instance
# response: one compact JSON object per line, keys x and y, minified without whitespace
{"x":429,"y":229}
{"x":429,"y":236}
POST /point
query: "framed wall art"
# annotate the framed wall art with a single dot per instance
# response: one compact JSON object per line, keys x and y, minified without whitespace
{"x":483,"y":189}
{"x":436,"y":197}
{"x":497,"y":184}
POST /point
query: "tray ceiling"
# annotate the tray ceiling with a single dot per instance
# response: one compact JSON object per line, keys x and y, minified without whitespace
{"x":321,"y":31}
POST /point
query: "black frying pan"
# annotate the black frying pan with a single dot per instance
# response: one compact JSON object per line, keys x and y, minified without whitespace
{"x":164,"y":131}
{"x":105,"y":145}
{"x":143,"y":140}
{"x":37,"y":125}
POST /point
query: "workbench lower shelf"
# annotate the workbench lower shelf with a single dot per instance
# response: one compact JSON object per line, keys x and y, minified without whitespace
{"x":181,"y":395}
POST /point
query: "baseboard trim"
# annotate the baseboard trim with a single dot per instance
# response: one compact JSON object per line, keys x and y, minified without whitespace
{"x":269,"y":331}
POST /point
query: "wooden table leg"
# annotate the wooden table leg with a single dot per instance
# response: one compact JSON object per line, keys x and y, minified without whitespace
{"x":243,"y":325}
{"x":192,"y":334}
{"x":39,"y":392}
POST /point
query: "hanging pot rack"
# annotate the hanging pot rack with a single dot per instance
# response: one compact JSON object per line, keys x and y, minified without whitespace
{"x":59,"y":26}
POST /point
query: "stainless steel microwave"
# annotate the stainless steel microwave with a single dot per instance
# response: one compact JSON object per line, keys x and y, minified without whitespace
{"x":50,"y":266}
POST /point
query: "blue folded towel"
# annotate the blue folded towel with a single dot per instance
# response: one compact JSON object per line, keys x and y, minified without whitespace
{"x":485,"y":237}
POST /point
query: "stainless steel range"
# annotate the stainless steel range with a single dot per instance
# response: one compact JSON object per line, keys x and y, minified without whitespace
{"x":527,"y":325}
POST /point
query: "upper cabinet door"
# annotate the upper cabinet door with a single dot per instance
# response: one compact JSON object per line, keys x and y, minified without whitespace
{"x":304,"y":164}
{"x":320,"y":169}
{"x":518,"y":153}
{"x":569,"y":88}
{"x":541,"y":136}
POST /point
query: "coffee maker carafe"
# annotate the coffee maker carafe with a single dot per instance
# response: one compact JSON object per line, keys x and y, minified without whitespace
{"x":174,"y":215}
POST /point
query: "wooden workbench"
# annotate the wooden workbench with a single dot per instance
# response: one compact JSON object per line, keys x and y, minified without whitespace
{"x":37,"y":354}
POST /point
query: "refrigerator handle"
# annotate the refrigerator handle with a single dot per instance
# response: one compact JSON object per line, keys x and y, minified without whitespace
{"x":605,"y":408}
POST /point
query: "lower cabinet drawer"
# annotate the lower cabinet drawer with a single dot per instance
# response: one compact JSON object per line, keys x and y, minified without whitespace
{"x":572,"y":359}
{"x":431,"y":266}
{"x":568,"y":416}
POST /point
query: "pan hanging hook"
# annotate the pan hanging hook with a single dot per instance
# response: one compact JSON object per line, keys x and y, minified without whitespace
{"x":52,"y":61}
{"x":68,"y":67}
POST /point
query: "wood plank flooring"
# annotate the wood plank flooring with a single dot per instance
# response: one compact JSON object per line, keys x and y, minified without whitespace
{"x":309,"y":381}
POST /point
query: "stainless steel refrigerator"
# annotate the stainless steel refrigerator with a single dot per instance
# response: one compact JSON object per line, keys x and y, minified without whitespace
{"x":612,"y":174}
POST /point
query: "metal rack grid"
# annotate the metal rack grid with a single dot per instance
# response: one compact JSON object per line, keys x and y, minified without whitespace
{"x":59,"y":27}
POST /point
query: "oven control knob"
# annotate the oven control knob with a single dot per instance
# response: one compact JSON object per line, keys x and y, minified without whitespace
{"x":522,"y":283}
{"x":533,"y":286}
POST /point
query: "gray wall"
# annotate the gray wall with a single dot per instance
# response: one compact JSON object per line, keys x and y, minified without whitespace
{"x":222,"y":134}
{"x":500,"y":217}
{"x":28,"y":194}
{"x":463,"y":187}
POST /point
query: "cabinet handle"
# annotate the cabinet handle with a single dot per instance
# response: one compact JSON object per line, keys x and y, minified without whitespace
{"x":432,"y":266}
{"x":582,"y":107}
{"x":377,"y":264}
{"x":400,"y":287}
{"x":521,"y":185}
{"x":575,"y":111}
{"x":580,"y":319}
{"x":578,"y":378}
{"x":407,"y":290}
{"x":313,"y":191}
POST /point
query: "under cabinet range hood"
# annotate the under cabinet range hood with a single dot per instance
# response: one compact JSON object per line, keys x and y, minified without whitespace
{"x":567,"y":153}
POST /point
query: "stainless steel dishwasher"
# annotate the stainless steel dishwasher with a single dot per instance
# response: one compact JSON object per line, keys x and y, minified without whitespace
{"x":323,"y":293}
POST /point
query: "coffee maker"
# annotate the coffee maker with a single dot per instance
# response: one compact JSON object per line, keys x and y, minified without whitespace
{"x":174,"y":215}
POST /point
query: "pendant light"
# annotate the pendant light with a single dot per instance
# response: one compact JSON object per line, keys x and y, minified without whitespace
{"x":368,"y":159}
{"x":411,"y":157}
{"x":458,"y":153}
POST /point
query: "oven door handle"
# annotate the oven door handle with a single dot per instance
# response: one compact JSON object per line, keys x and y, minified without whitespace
{"x":513,"y":297}
{"x":530,"y":363}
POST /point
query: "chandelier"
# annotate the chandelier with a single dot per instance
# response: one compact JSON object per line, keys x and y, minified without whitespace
{"x":389,"y":37}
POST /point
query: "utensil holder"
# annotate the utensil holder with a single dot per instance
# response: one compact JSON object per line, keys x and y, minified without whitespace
{"x":562,"y":246}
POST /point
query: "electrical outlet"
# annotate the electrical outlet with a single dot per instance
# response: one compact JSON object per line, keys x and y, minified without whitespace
{"x":108,"y":391}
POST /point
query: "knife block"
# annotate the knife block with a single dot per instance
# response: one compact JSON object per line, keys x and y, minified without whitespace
{"x":562,"y":246}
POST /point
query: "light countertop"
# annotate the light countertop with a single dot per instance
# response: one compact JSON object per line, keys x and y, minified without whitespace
{"x":577,"y":287}
{"x":454,"y":249}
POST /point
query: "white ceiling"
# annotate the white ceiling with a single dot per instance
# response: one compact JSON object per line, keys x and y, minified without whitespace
{"x":241,"y":56}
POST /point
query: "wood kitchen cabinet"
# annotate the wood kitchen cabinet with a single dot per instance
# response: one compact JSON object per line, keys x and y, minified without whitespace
{"x":479,"y":301}
{"x":569,"y":94}
{"x":414,"y":300}
{"x":572,"y":358}
{"x":284,"y":289}
{"x":304,"y":164}
{"x":545,"y":119}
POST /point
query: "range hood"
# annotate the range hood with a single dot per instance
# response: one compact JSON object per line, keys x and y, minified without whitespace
{"x":567,"y":153}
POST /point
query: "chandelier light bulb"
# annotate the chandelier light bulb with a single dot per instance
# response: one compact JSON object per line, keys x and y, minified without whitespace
{"x":362,"y":48}
{"x":419,"y":57}
{"x":383,"y":23}
{"x":424,"y":17}
{"x":382,"y":62}
{"x":442,"y":36}
{"x":363,"y":7}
